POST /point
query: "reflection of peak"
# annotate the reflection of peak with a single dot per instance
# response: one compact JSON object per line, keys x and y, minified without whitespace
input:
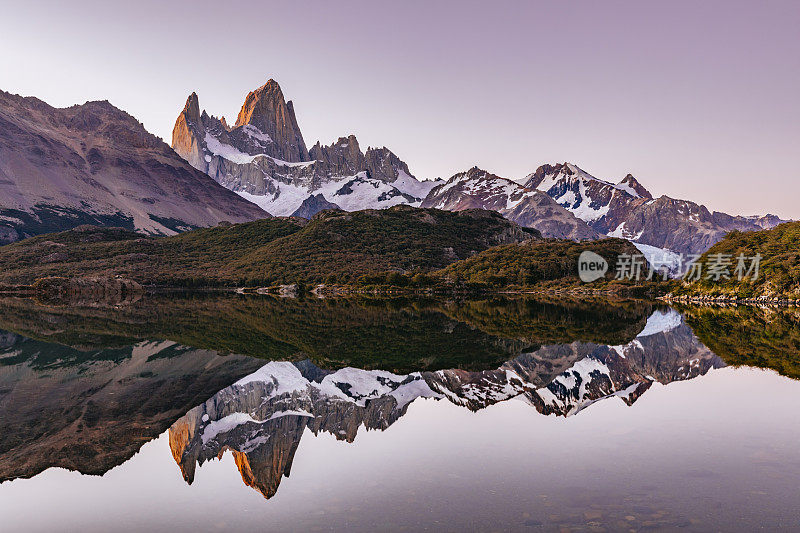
{"x":263,"y":416}
{"x":91,"y":410}
{"x":582,"y":373}
{"x":661,"y":322}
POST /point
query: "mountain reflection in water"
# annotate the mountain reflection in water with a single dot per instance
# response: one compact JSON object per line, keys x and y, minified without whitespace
{"x":85,"y":388}
{"x":262,"y":417}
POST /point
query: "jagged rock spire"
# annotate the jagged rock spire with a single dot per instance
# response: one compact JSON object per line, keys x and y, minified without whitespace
{"x":192,"y":108}
{"x":267,"y":110}
{"x":188,"y":131}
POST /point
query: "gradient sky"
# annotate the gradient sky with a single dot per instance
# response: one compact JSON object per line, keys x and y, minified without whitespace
{"x":699,"y":100}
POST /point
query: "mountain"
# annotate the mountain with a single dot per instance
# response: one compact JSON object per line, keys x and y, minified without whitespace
{"x":628,"y":210}
{"x":313,"y":205}
{"x":95,"y":164}
{"x":334,"y":246}
{"x":263,"y":157}
{"x":527,"y":207}
{"x":588,"y":198}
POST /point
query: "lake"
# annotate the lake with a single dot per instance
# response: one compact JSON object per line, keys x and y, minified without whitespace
{"x":218,"y":412}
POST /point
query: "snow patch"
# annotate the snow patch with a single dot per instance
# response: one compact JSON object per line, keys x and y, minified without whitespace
{"x":226,"y":424}
{"x":412,"y":186}
{"x":659,"y":257}
{"x":661,"y":322}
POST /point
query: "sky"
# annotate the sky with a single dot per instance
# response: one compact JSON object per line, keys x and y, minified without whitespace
{"x":698,"y":100}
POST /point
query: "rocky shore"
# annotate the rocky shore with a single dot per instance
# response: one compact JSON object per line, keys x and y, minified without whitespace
{"x":733,"y":300}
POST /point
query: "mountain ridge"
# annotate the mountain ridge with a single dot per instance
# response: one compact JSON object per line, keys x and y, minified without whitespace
{"x":263,"y":157}
{"x":94,"y":163}
{"x":477,"y":188}
{"x":628,"y":210}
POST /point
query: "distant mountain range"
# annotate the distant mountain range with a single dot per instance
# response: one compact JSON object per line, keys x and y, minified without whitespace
{"x":95,"y":164}
{"x":626,"y":209}
{"x":263,"y":157}
{"x":479,"y":189}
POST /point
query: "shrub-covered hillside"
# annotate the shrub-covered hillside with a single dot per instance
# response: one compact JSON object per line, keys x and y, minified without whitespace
{"x":539,"y":262}
{"x":334,"y":247}
{"x":779,"y":271}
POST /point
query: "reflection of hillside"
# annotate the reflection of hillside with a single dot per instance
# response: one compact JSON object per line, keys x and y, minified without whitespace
{"x":400,"y":335}
{"x":554,"y":321}
{"x":92,"y":410}
{"x":752,"y":336}
{"x":262,"y":418}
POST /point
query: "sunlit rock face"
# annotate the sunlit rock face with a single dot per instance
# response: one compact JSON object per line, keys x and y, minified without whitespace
{"x":263,"y":157}
{"x":262,"y":417}
{"x":90,"y":410}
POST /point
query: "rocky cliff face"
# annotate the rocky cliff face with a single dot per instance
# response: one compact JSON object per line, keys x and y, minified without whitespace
{"x":313,"y":205}
{"x":269,"y":121}
{"x":527,"y":207}
{"x":628,"y":210}
{"x":262,"y":418}
{"x":263,"y":157}
{"x":677,"y":225}
{"x":95,"y":164}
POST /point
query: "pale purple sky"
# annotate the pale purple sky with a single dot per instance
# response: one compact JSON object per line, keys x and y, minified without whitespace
{"x":698,"y":100}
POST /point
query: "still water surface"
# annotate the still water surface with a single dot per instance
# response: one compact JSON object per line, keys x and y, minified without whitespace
{"x":650,"y":431}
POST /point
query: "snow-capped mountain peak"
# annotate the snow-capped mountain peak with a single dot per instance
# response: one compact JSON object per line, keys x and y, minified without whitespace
{"x":263,"y":157}
{"x":587,"y":197}
{"x":633,"y":187}
{"x":477,"y":188}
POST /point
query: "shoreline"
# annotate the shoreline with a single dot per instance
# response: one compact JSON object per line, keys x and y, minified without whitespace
{"x":732,"y":300}
{"x":99,"y":287}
